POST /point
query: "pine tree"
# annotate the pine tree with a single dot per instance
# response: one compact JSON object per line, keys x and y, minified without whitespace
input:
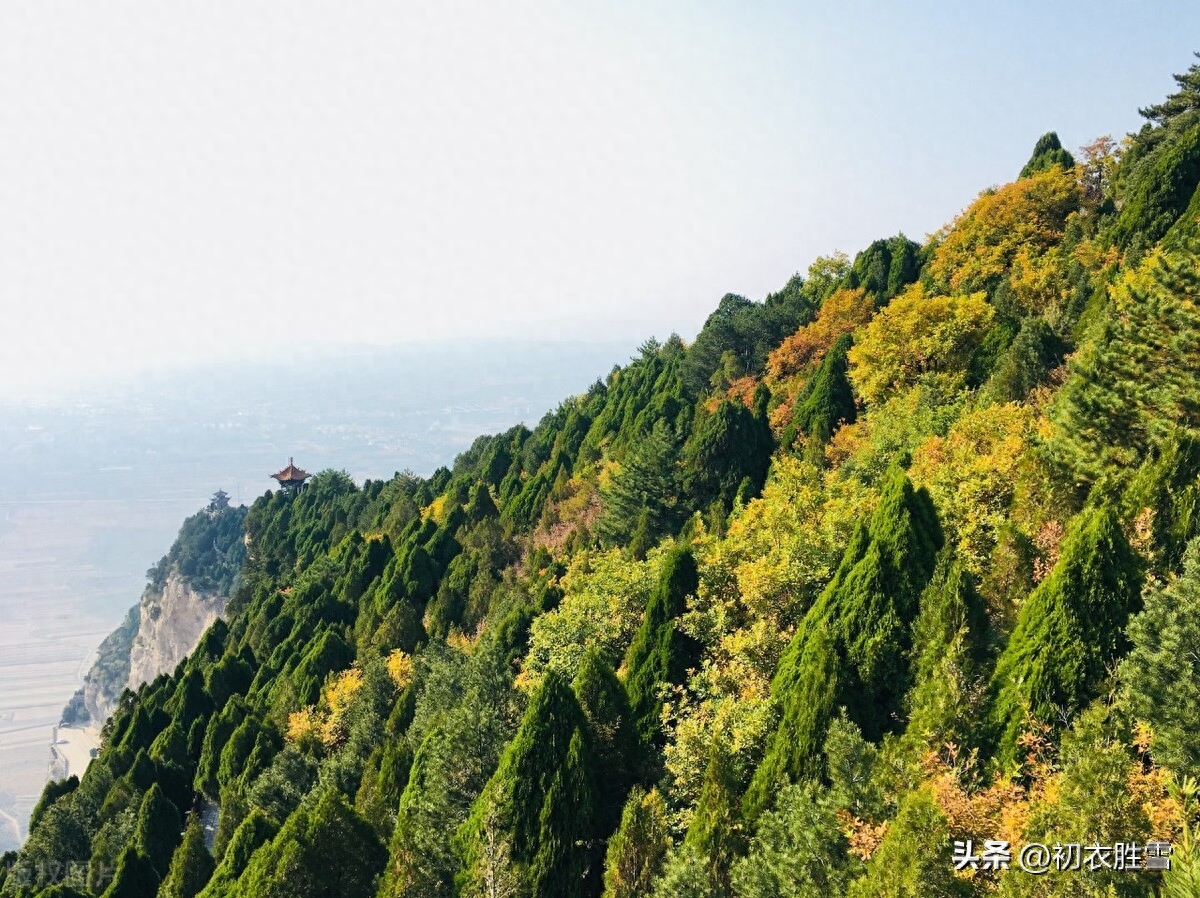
{"x":647,"y":486}
{"x":851,"y":649}
{"x":191,"y":867}
{"x":1138,"y":382}
{"x":913,"y":860}
{"x":660,"y":653}
{"x":1070,"y":629}
{"x":798,"y":850}
{"x":1160,"y":677}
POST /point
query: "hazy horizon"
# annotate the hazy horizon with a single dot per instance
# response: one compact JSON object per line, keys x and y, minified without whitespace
{"x":222,"y":181}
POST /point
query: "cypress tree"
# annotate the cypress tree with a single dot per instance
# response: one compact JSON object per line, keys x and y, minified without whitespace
{"x":636,"y":851}
{"x":660,"y":653}
{"x":851,"y":649}
{"x":135,"y":877}
{"x":536,"y":816}
{"x":567,"y":863}
{"x":158,"y":829}
{"x":948,"y":643}
{"x":730,"y":444}
{"x":191,"y":867}
{"x":827,"y":399}
{"x":255,"y":831}
{"x":1070,"y":629}
{"x":1047,"y":153}
{"x":605,"y":706}
{"x":714,"y":836}
{"x":324,"y":849}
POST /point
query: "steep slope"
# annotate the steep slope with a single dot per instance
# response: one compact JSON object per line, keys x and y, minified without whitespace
{"x":791,"y":610}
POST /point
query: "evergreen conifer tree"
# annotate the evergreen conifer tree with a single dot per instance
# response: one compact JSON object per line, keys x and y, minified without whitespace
{"x":539,"y":805}
{"x":660,"y":653}
{"x":135,"y":877}
{"x":191,"y":867}
{"x":609,"y":716}
{"x":636,"y":851}
{"x":948,"y":638}
{"x":714,"y":836}
{"x":826,"y":400}
{"x":158,"y":829}
{"x":1160,"y":677}
{"x":1047,"y":152}
{"x":1070,"y":629}
{"x":851,"y":649}
{"x":727,"y":446}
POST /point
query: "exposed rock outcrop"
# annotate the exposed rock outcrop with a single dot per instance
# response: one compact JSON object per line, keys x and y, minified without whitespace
{"x":170,"y":624}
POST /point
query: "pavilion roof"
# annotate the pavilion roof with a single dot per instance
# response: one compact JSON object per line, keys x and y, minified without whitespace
{"x":291,"y":474}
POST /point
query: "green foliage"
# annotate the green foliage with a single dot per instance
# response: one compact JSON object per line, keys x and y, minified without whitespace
{"x":730,"y":445}
{"x":1047,"y":152}
{"x":191,"y":867}
{"x":1138,"y":381}
{"x":1033,"y":354}
{"x":644,"y":493}
{"x":886,"y":267}
{"x":1160,"y":677}
{"x":54,"y":790}
{"x":460,"y":723}
{"x":948,"y":639}
{"x":135,"y":877}
{"x":566,"y":862}
{"x":636,"y":851}
{"x":851,"y":649}
{"x":256,"y":830}
{"x":913,"y":861}
{"x":850,"y":766}
{"x":747,"y":647}
{"x":661,"y":653}
{"x":714,"y":837}
{"x":1159,"y":182}
{"x":1070,"y":629}
{"x":798,"y":850}
{"x":110,"y":671}
{"x":827,"y":399}
{"x":614,"y":737}
{"x":208,"y":552}
{"x":324,"y":850}
{"x":536,"y":819}
{"x":918,"y":337}
{"x":748,"y":330}
{"x":158,"y":829}
{"x":1093,"y":805}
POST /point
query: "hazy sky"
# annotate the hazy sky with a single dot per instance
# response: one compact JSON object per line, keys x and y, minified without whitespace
{"x":190,"y":179}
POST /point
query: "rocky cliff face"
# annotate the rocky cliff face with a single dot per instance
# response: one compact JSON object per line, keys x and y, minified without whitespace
{"x":170,"y":623}
{"x":160,"y":632}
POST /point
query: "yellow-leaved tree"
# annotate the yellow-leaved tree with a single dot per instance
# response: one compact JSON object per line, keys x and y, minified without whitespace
{"x":981,"y":244}
{"x":918,"y":335}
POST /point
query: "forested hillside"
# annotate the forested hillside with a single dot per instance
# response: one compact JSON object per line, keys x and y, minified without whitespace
{"x":905,"y":554}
